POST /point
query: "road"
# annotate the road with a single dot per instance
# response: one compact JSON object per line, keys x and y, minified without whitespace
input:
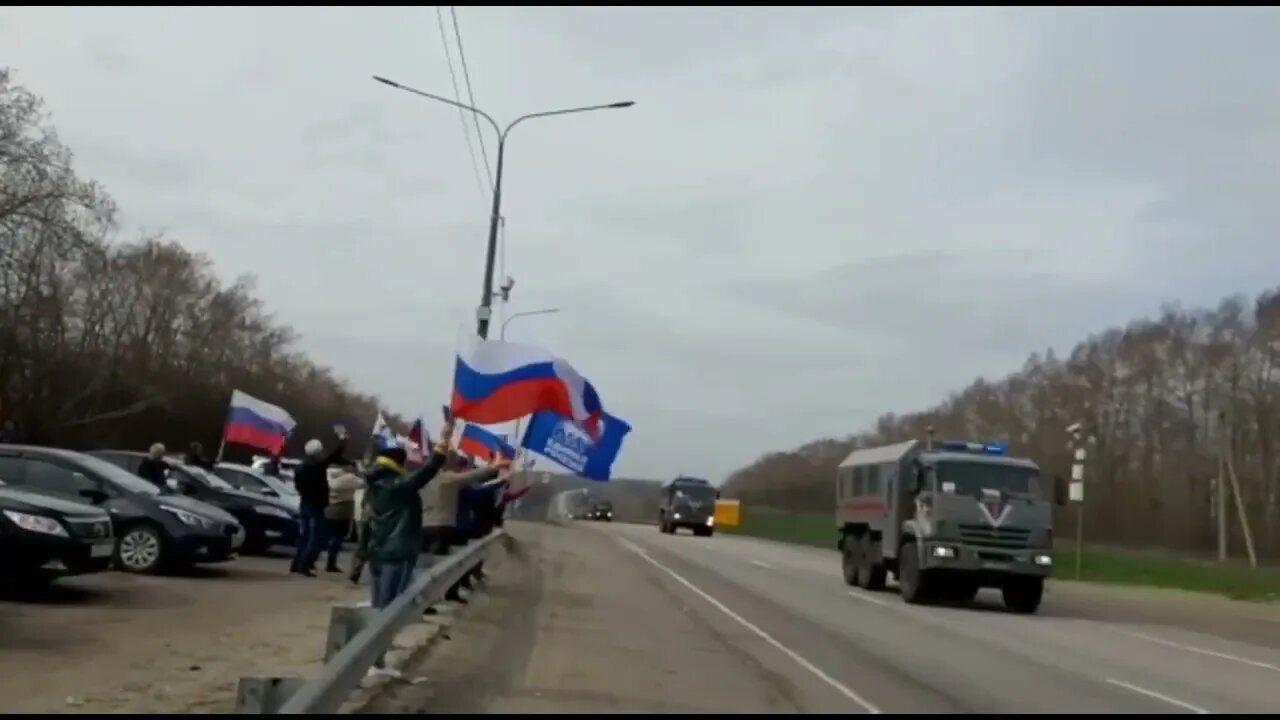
{"x":112,"y":642}
{"x":620,"y":618}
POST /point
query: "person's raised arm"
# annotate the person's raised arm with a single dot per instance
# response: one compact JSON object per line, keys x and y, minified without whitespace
{"x":338,"y":448}
{"x":484,"y":475}
{"x":419,"y":478}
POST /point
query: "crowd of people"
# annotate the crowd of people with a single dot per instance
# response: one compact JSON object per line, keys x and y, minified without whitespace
{"x":398,"y":514}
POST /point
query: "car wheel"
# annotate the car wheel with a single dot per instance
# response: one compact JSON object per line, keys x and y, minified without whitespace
{"x":140,"y":549}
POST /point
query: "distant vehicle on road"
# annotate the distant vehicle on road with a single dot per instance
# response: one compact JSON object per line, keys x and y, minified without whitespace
{"x":244,"y":477}
{"x":153,"y":528}
{"x":43,"y":538}
{"x":946,"y":520}
{"x":266,"y":521}
{"x":602,"y":510}
{"x":688,"y":502}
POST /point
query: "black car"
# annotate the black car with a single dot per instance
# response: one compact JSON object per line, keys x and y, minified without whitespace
{"x":601,"y":511}
{"x":153,"y":529}
{"x":266,"y":521}
{"x":43,"y":537}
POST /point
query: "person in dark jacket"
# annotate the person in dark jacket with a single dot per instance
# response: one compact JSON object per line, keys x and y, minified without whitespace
{"x":153,"y":468}
{"x":311,"y":478}
{"x":196,"y":457}
{"x":394,"y":503}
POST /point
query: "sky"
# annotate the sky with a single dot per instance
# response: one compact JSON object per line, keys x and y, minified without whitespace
{"x":809,"y":218}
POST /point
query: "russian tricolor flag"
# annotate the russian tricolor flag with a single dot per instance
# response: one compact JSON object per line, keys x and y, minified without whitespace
{"x":497,"y":382}
{"x":258,"y":424}
{"x":480,"y":443}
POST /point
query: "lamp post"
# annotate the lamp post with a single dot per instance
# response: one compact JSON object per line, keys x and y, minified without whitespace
{"x":502,"y":331}
{"x":485,"y":311}
{"x":502,"y":335}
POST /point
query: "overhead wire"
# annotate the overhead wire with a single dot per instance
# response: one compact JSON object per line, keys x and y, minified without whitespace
{"x":457,"y":95}
{"x":471,"y":96}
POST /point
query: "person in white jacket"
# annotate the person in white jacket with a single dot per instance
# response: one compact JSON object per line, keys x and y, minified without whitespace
{"x":344,"y":483}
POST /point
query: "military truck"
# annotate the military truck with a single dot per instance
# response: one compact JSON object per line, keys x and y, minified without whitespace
{"x":690,"y":503}
{"x":945,"y":520}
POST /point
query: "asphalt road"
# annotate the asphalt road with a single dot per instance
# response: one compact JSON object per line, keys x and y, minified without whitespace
{"x":620,"y":618}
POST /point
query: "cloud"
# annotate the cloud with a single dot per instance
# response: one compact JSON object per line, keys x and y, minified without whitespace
{"x":810,"y":217}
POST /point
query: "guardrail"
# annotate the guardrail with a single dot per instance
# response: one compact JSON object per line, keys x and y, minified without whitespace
{"x":357,"y":638}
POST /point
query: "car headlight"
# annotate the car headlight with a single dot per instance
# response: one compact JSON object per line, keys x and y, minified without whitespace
{"x":711,"y":521}
{"x":272,"y":511}
{"x":1043,"y":560}
{"x":187,"y":518}
{"x":944,"y":551}
{"x":36,"y":523}
{"x":677,"y":516}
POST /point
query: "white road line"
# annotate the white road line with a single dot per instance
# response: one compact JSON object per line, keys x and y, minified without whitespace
{"x":814,"y":669}
{"x":1159,"y":696}
{"x":764,"y":565}
{"x":1202,"y":651}
{"x":868,"y":598}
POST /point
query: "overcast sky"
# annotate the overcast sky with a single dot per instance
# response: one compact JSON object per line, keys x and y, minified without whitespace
{"x":810,"y":217}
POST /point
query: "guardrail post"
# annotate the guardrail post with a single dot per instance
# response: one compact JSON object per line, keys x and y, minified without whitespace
{"x":264,"y":696}
{"x":345,"y":623}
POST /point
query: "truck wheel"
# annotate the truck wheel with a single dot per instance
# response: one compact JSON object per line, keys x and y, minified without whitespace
{"x":871,"y":574}
{"x":912,"y":581}
{"x":849,"y":560}
{"x":1023,"y":595}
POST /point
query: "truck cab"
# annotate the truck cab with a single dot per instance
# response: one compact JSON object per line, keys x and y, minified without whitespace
{"x":945,"y":521}
{"x":688,"y":503}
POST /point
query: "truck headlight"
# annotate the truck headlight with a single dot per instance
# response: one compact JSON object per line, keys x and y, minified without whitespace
{"x":1042,"y":560}
{"x":676,"y":516}
{"x":36,"y":523}
{"x":711,"y":521}
{"x":944,"y":551}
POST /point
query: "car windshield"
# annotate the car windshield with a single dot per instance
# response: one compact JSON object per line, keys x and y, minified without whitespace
{"x":118,"y":475}
{"x":971,"y":478}
{"x":209,"y":478}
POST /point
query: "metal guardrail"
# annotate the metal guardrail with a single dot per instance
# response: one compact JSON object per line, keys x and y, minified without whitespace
{"x":357,"y":638}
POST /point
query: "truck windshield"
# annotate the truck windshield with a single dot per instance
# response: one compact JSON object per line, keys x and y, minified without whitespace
{"x":971,"y":478}
{"x":694,"y":492}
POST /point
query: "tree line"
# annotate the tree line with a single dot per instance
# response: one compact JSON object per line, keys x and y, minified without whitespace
{"x":1163,"y":404}
{"x":106,"y":342}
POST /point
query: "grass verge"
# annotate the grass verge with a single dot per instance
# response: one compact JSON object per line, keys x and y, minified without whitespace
{"x":1098,"y":564}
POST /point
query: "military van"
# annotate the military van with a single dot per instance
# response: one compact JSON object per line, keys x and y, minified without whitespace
{"x":945,"y":520}
{"x":688,"y":502}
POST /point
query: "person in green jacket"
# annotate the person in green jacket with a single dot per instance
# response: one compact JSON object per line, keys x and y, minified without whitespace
{"x":395,"y":505}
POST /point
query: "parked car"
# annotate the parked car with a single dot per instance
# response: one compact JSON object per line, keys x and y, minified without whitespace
{"x":43,"y":538}
{"x":266,"y":521}
{"x":287,"y":466}
{"x":154,"y":529}
{"x":244,"y":477}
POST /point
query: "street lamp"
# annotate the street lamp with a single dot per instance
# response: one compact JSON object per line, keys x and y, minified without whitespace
{"x":484,"y":312}
{"x":502,"y":332}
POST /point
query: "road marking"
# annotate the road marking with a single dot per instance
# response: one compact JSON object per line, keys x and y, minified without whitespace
{"x":764,"y":565}
{"x":1159,"y":696}
{"x":868,"y":598}
{"x":800,"y":660}
{"x":1202,"y":651}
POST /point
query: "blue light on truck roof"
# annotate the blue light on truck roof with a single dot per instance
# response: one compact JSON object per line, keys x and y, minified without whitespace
{"x":991,"y":448}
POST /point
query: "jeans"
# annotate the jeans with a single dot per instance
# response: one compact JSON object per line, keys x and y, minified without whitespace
{"x":312,"y":534}
{"x":389,"y":580}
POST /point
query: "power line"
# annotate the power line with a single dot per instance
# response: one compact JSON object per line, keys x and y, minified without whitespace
{"x":471,"y":97}
{"x":457,"y":95}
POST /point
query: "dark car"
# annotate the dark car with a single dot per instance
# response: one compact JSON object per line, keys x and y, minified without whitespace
{"x":43,"y":537}
{"x":602,"y":510}
{"x":266,"y":521}
{"x":153,"y":529}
